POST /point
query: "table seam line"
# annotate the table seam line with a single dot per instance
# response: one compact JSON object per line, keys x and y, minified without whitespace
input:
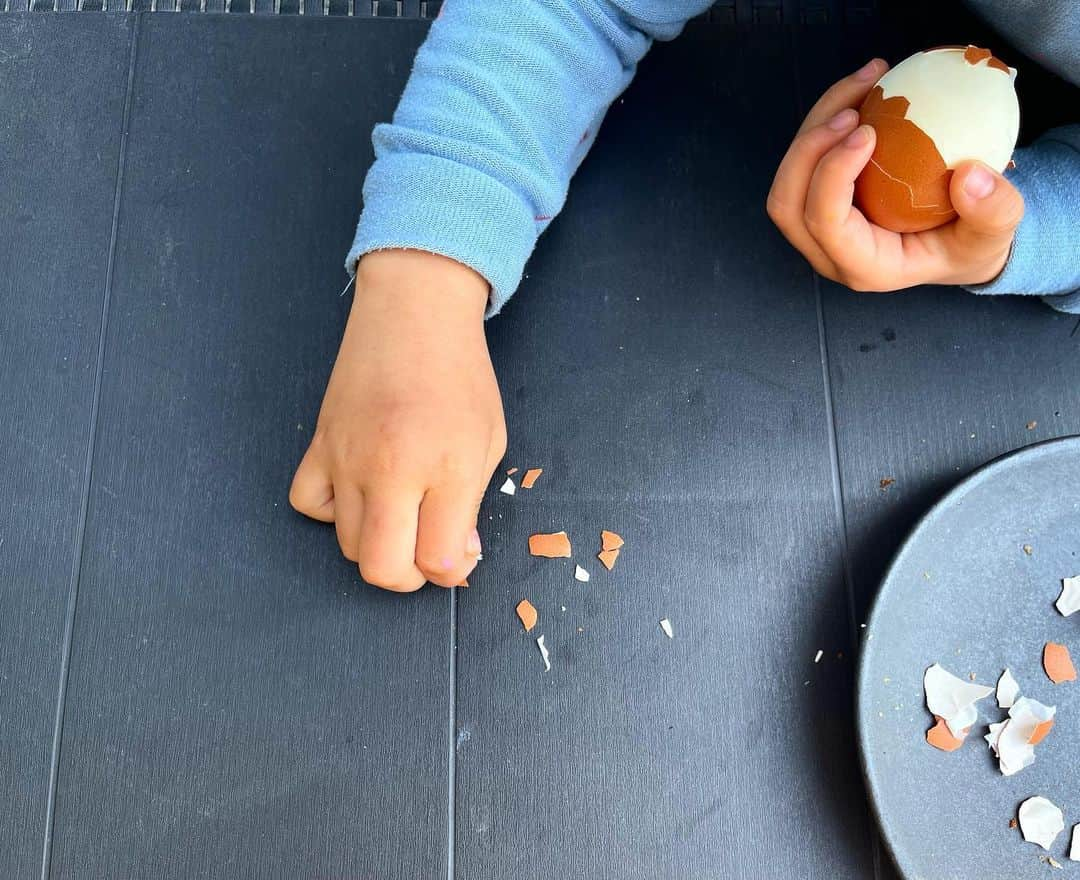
{"x":88,"y":469}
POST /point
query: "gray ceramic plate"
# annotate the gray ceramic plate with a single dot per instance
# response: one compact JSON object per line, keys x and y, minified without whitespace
{"x":963,"y":592}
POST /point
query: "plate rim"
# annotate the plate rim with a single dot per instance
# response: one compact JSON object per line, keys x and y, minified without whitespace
{"x":988,"y":470}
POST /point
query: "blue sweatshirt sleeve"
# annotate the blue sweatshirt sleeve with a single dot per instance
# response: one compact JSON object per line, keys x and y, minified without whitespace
{"x":502,"y":105}
{"x":1045,"y":258}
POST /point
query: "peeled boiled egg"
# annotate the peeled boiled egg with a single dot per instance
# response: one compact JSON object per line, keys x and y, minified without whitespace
{"x":931,"y":112}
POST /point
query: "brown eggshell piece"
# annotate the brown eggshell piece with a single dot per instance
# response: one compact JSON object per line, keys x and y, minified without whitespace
{"x":610,"y":540}
{"x":905,"y":185}
{"x":1040,"y":732}
{"x":511,"y":472}
{"x":608,"y":557}
{"x":527,"y":614}
{"x":973,"y":55}
{"x":554,"y":546}
{"x":1058,"y":664}
{"x":530,"y":478}
{"x":940,"y":737}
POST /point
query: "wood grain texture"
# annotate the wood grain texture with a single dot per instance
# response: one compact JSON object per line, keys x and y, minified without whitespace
{"x":240,"y":704}
{"x":59,"y":136}
{"x":662,"y":365}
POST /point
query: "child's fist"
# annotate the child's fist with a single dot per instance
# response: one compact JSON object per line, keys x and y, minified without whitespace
{"x":411,"y":426}
{"x":811,"y":203}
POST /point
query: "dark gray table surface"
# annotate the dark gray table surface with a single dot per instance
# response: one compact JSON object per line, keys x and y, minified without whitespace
{"x":194,"y":683}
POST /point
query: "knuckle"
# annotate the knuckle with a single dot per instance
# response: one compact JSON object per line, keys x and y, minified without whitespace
{"x":435,"y":565}
{"x":379,"y":574}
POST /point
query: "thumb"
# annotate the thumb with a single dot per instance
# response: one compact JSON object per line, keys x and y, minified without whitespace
{"x":990,"y":207}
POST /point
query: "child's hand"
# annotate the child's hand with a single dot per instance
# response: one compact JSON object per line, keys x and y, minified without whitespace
{"x":411,"y":426}
{"x":811,"y":202}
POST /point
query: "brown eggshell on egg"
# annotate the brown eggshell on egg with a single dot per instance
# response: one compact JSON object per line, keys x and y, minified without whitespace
{"x":930,"y":113}
{"x":913,"y":194}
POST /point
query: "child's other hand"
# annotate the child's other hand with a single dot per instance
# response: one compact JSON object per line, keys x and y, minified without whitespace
{"x":411,"y":426}
{"x":811,"y":203}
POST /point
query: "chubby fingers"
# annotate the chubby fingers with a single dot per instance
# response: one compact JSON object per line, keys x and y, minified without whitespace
{"x":830,"y":217}
{"x":387,"y":540}
{"x":312,"y":490}
{"x":848,"y":92}
{"x":448,"y":544}
{"x":787,"y":199}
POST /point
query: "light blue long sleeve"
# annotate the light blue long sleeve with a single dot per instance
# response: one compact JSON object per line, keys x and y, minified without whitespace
{"x":1045,"y":256}
{"x":505,"y":99}
{"x":503,"y":103}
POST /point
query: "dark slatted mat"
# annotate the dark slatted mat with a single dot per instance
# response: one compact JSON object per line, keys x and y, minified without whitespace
{"x":59,"y":139}
{"x":239,"y":704}
{"x":663,"y":364}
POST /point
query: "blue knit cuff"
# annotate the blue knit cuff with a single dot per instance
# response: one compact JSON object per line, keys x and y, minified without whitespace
{"x":427,"y":203}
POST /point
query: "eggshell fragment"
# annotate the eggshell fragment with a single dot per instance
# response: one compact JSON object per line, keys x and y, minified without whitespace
{"x":1074,"y":848}
{"x":665,"y":625}
{"x":527,"y":613}
{"x":508,"y":487}
{"x":1008,"y":689}
{"x":953,"y":698}
{"x":931,"y":112}
{"x":511,"y":472}
{"x":940,"y":737}
{"x":530,"y":478}
{"x":544,"y":653}
{"x":1069,"y":600}
{"x":608,"y":557}
{"x":1040,"y":821}
{"x":610,"y":540}
{"x":554,"y":546}
{"x":580,"y":574}
{"x":1058,"y":664}
{"x":1013,"y":740}
{"x":1040,"y":732}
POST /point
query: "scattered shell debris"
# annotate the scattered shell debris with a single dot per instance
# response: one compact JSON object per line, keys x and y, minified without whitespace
{"x":1013,"y":741}
{"x":527,"y":614}
{"x":1058,"y":663}
{"x":544,"y":653}
{"x":610,"y":540}
{"x":550,"y":546}
{"x":530,"y":478}
{"x":607,"y":558}
{"x":953,"y":699}
{"x":940,"y":737}
{"x":1069,"y":600}
{"x":1008,"y":689}
{"x":665,"y":625}
{"x":1040,"y":821}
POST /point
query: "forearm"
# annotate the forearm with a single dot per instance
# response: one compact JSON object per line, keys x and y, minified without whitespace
{"x":502,"y":106}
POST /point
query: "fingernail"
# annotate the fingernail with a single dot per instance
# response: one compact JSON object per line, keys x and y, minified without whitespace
{"x":843,"y":119}
{"x":474,"y":543}
{"x":868,"y":71}
{"x":858,"y":138}
{"x":979,"y":182}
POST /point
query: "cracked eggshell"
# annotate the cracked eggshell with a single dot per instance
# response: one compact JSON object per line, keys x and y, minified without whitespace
{"x":1040,"y":821}
{"x":931,"y":112}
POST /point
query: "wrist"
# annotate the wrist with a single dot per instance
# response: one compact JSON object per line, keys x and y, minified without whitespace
{"x":427,"y":284}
